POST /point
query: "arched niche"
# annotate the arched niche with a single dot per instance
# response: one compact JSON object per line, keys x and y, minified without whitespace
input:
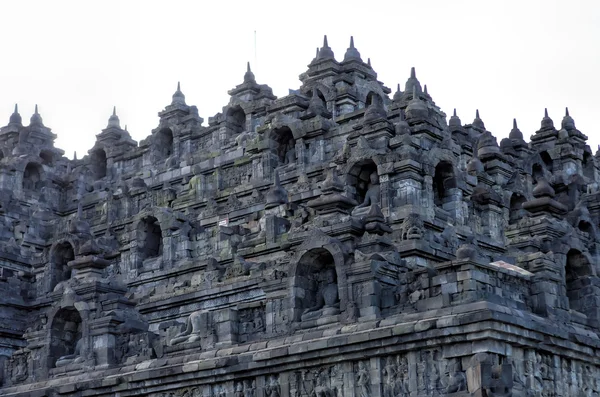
{"x":369,"y":99}
{"x":586,"y":227}
{"x":547,"y":160}
{"x":66,"y":333}
{"x":32,"y":176}
{"x":315,"y":286}
{"x":149,"y":238}
{"x":515,"y":211}
{"x":588,"y":165}
{"x":443,"y":180}
{"x":164,"y":142}
{"x":578,"y":269}
{"x":61,"y":255}
{"x":47,"y":157}
{"x":537,"y":172}
{"x":285,"y":145}
{"x":361,"y":177}
{"x":98,"y":163}
{"x":236,"y":120}
{"x":321,"y":96}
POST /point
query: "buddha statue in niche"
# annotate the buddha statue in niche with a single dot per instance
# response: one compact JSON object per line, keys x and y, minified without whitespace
{"x":327,"y":298}
{"x":196,"y":328}
{"x":372,"y":196}
{"x":69,"y":339}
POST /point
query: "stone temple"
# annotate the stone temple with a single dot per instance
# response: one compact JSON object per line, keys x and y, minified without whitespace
{"x":341,"y":241}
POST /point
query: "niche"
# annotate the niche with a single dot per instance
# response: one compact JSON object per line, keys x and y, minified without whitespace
{"x":47,"y":157}
{"x":443,"y":181}
{"x":588,"y":165}
{"x":149,"y":238}
{"x":285,"y":145}
{"x":577,"y":269}
{"x":98,"y":163}
{"x":32,"y":177}
{"x":164,"y":143}
{"x":65,"y":334}
{"x":63,"y":253}
{"x":537,"y":172}
{"x":362,"y":176}
{"x":315,"y":291}
{"x":236,"y":121}
{"x":547,"y":160}
{"x":516,"y":208}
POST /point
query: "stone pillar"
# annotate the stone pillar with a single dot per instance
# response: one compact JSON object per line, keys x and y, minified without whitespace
{"x":6,"y":179}
{"x":375,"y":376}
{"x":225,"y":324}
{"x":492,"y":222}
{"x":103,"y":335}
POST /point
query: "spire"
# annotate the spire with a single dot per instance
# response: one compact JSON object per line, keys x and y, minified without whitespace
{"x":277,"y":194}
{"x":478,"y":123}
{"x":454,"y":120}
{"x":402,"y":127}
{"x":398,"y":93}
{"x":547,"y":123}
{"x":515,"y":133}
{"x":425,"y":93}
{"x":15,"y":118}
{"x":416,"y":109}
{"x":567,"y":122}
{"x":352,"y":53}
{"x":325,"y":52}
{"x":369,"y":62}
{"x":316,"y":105}
{"x":36,"y":119}
{"x":178,"y":97}
{"x":376,"y":110}
{"x":413,"y":82}
{"x":487,"y":146}
{"x":249,"y":76}
{"x":113,"y":121}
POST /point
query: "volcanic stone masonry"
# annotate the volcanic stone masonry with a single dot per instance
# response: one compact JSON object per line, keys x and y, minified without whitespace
{"x":330,"y":243}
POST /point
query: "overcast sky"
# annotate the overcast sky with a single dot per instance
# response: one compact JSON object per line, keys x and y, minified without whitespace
{"x":76,"y":59}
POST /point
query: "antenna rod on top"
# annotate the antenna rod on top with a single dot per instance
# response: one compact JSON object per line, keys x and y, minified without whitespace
{"x":255,"y":58}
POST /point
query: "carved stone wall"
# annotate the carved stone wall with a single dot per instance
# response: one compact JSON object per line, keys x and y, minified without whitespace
{"x":341,"y":241}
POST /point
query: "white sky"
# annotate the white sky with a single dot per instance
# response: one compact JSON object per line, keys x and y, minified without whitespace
{"x":76,"y":59}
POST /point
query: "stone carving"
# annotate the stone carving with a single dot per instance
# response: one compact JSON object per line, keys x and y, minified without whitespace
{"x":318,"y":382}
{"x":363,"y":380}
{"x":134,"y":347}
{"x":396,"y":246}
{"x":272,"y":388}
{"x":219,"y":390}
{"x":454,"y":379}
{"x":251,"y":323}
{"x":373,"y":195}
{"x":412,"y":228}
{"x":71,"y":338}
{"x":197,"y":328}
{"x":327,"y":299}
{"x":395,"y":376}
{"x":18,"y":368}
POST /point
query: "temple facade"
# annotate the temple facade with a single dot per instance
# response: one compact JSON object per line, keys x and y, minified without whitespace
{"x":341,"y":241}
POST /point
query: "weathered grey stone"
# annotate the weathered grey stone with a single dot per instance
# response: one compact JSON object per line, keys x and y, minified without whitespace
{"x":331,"y":243}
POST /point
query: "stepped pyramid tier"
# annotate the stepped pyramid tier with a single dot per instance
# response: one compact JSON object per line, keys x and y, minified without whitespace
{"x":340,"y":241}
